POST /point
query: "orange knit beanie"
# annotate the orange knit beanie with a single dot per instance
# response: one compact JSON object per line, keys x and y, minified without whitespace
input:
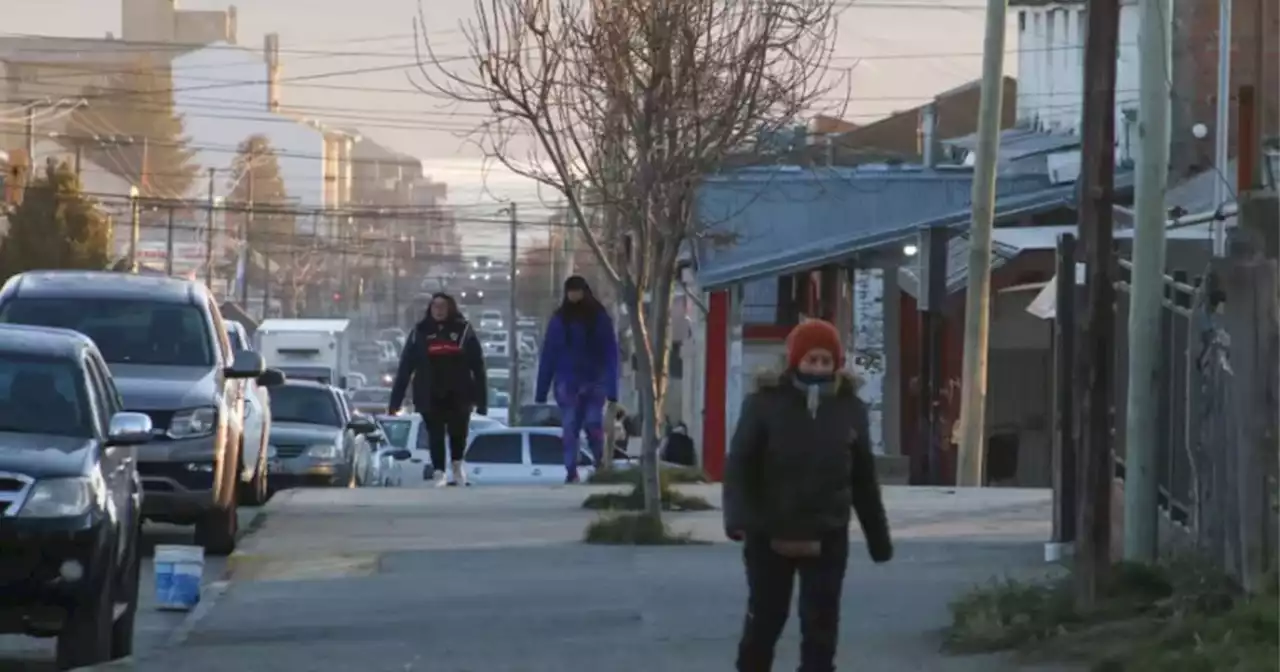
{"x":812,"y":335}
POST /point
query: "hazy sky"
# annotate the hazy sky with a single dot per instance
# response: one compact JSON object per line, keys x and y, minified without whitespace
{"x":899,"y":57}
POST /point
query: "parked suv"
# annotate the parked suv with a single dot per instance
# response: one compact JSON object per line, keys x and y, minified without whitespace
{"x":166,"y":345}
{"x":70,"y":497}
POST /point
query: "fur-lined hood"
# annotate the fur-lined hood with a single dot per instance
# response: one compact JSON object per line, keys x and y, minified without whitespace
{"x":773,"y":378}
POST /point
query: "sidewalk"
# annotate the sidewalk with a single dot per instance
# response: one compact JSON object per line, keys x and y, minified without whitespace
{"x":494,"y":580}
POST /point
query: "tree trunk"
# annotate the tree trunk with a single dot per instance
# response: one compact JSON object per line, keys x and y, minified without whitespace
{"x":650,"y":337}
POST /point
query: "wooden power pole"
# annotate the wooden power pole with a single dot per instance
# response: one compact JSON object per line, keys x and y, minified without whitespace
{"x":1097,"y":355}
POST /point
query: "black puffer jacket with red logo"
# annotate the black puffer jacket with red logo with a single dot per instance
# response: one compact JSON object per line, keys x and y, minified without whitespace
{"x":445,"y":362}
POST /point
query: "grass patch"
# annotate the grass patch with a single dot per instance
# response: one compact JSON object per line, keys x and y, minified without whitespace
{"x":633,"y":500}
{"x":666,"y":475}
{"x":1172,"y":618}
{"x":634,"y":529}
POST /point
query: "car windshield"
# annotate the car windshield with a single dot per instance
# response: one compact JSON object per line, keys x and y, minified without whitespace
{"x":43,"y":396}
{"x":306,"y":404}
{"x":397,"y":432}
{"x":126,"y":332}
{"x":371,"y":395}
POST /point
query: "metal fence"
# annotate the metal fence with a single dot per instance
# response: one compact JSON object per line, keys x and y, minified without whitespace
{"x":1185,"y":403}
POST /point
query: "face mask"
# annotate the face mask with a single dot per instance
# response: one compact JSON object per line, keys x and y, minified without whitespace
{"x":812,"y":385}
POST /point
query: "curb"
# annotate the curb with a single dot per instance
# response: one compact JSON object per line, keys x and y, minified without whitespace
{"x":210,"y":595}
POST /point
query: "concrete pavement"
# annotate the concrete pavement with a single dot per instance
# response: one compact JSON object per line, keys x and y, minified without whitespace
{"x":490,"y":579}
{"x":153,"y":627}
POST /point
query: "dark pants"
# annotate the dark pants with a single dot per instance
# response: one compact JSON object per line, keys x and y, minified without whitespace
{"x":770,"y":578}
{"x":446,"y":419}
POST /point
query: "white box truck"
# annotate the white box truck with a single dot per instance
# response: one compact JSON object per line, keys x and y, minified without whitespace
{"x":308,"y":349}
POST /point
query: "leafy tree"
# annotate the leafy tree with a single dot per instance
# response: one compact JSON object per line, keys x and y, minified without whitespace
{"x":55,"y":227}
{"x":135,"y":104}
{"x":257,"y":187}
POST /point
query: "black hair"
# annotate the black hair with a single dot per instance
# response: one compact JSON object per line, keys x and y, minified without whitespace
{"x":586,"y":310}
{"x":454,"y":312}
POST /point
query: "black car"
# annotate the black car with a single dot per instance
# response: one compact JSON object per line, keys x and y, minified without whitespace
{"x":70,"y":497}
{"x":168,"y":349}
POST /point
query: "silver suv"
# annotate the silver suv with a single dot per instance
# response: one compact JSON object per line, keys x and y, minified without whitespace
{"x":167,"y":347}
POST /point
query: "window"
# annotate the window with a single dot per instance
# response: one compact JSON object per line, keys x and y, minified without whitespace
{"x":126,"y":332}
{"x":44,"y":396}
{"x":101,"y":396}
{"x":499,"y":398}
{"x":546,"y":449}
{"x":397,"y":432}
{"x":497,"y":448}
{"x":305,"y":404}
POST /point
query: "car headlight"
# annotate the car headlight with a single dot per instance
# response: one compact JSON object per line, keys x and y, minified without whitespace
{"x":59,"y":497}
{"x":194,"y":422}
{"x":324,"y":451}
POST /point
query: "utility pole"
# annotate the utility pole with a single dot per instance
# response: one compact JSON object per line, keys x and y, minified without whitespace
{"x":79,"y":159}
{"x":135,"y":228}
{"x":208,"y":231}
{"x":1222,"y":126}
{"x":1097,"y":355}
{"x":513,"y":342}
{"x":977,"y":305}
{"x":31,"y":139}
{"x":1147,"y":286}
{"x":246,"y":226}
{"x":168,"y":246}
{"x":932,"y":290}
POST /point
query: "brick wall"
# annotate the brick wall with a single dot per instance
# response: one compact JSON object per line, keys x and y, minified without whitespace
{"x":1195,"y":73}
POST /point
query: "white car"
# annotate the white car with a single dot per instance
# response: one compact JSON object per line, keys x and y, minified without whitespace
{"x":406,"y":431}
{"x":491,"y":320}
{"x":257,"y":422}
{"x":520,"y":455}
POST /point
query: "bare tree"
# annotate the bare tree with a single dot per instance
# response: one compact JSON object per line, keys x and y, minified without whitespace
{"x":625,"y":105}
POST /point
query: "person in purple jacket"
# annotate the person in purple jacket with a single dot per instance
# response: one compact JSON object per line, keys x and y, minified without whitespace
{"x":580,"y":356}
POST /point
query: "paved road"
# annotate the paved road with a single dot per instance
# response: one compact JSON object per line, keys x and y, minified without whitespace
{"x":490,"y":579}
{"x":153,"y":627}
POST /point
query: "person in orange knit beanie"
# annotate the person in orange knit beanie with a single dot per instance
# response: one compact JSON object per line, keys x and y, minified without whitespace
{"x":799,"y":460}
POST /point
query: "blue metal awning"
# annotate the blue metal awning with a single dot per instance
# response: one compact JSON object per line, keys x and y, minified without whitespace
{"x":767,"y":222}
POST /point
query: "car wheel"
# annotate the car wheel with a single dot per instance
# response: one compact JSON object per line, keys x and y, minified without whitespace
{"x":86,"y":634}
{"x":217,"y":529}
{"x":216,"y":532}
{"x":130,"y":579}
{"x":256,"y":491}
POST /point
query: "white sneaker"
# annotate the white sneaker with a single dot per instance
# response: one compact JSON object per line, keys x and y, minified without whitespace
{"x":440,"y":479}
{"x":459,"y":474}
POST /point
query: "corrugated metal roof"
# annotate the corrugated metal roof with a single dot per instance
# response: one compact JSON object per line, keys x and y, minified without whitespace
{"x":765,"y":222}
{"x":957,"y":264}
{"x":1008,"y":243}
{"x":1020,"y":143}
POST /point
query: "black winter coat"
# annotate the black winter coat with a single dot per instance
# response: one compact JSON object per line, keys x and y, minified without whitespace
{"x":795,"y":475}
{"x":445,"y":362}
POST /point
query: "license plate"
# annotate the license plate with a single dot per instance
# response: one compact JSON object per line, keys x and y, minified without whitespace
{"x":275,"y":466}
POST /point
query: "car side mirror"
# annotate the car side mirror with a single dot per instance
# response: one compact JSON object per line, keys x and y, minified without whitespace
{"x":246,"y":364}
{"x":401,"y":455}
{"x":129,"y":429}
{"x":362,"y":425}
{"x":272,"y":378}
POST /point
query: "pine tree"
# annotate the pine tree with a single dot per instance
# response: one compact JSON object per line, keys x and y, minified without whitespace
{"x":255,"y":180}
{"x":55,"y":227}
{"x":133,"y":105}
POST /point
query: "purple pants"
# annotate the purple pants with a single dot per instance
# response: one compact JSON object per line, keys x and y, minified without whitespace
{"x":581,"y":408}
